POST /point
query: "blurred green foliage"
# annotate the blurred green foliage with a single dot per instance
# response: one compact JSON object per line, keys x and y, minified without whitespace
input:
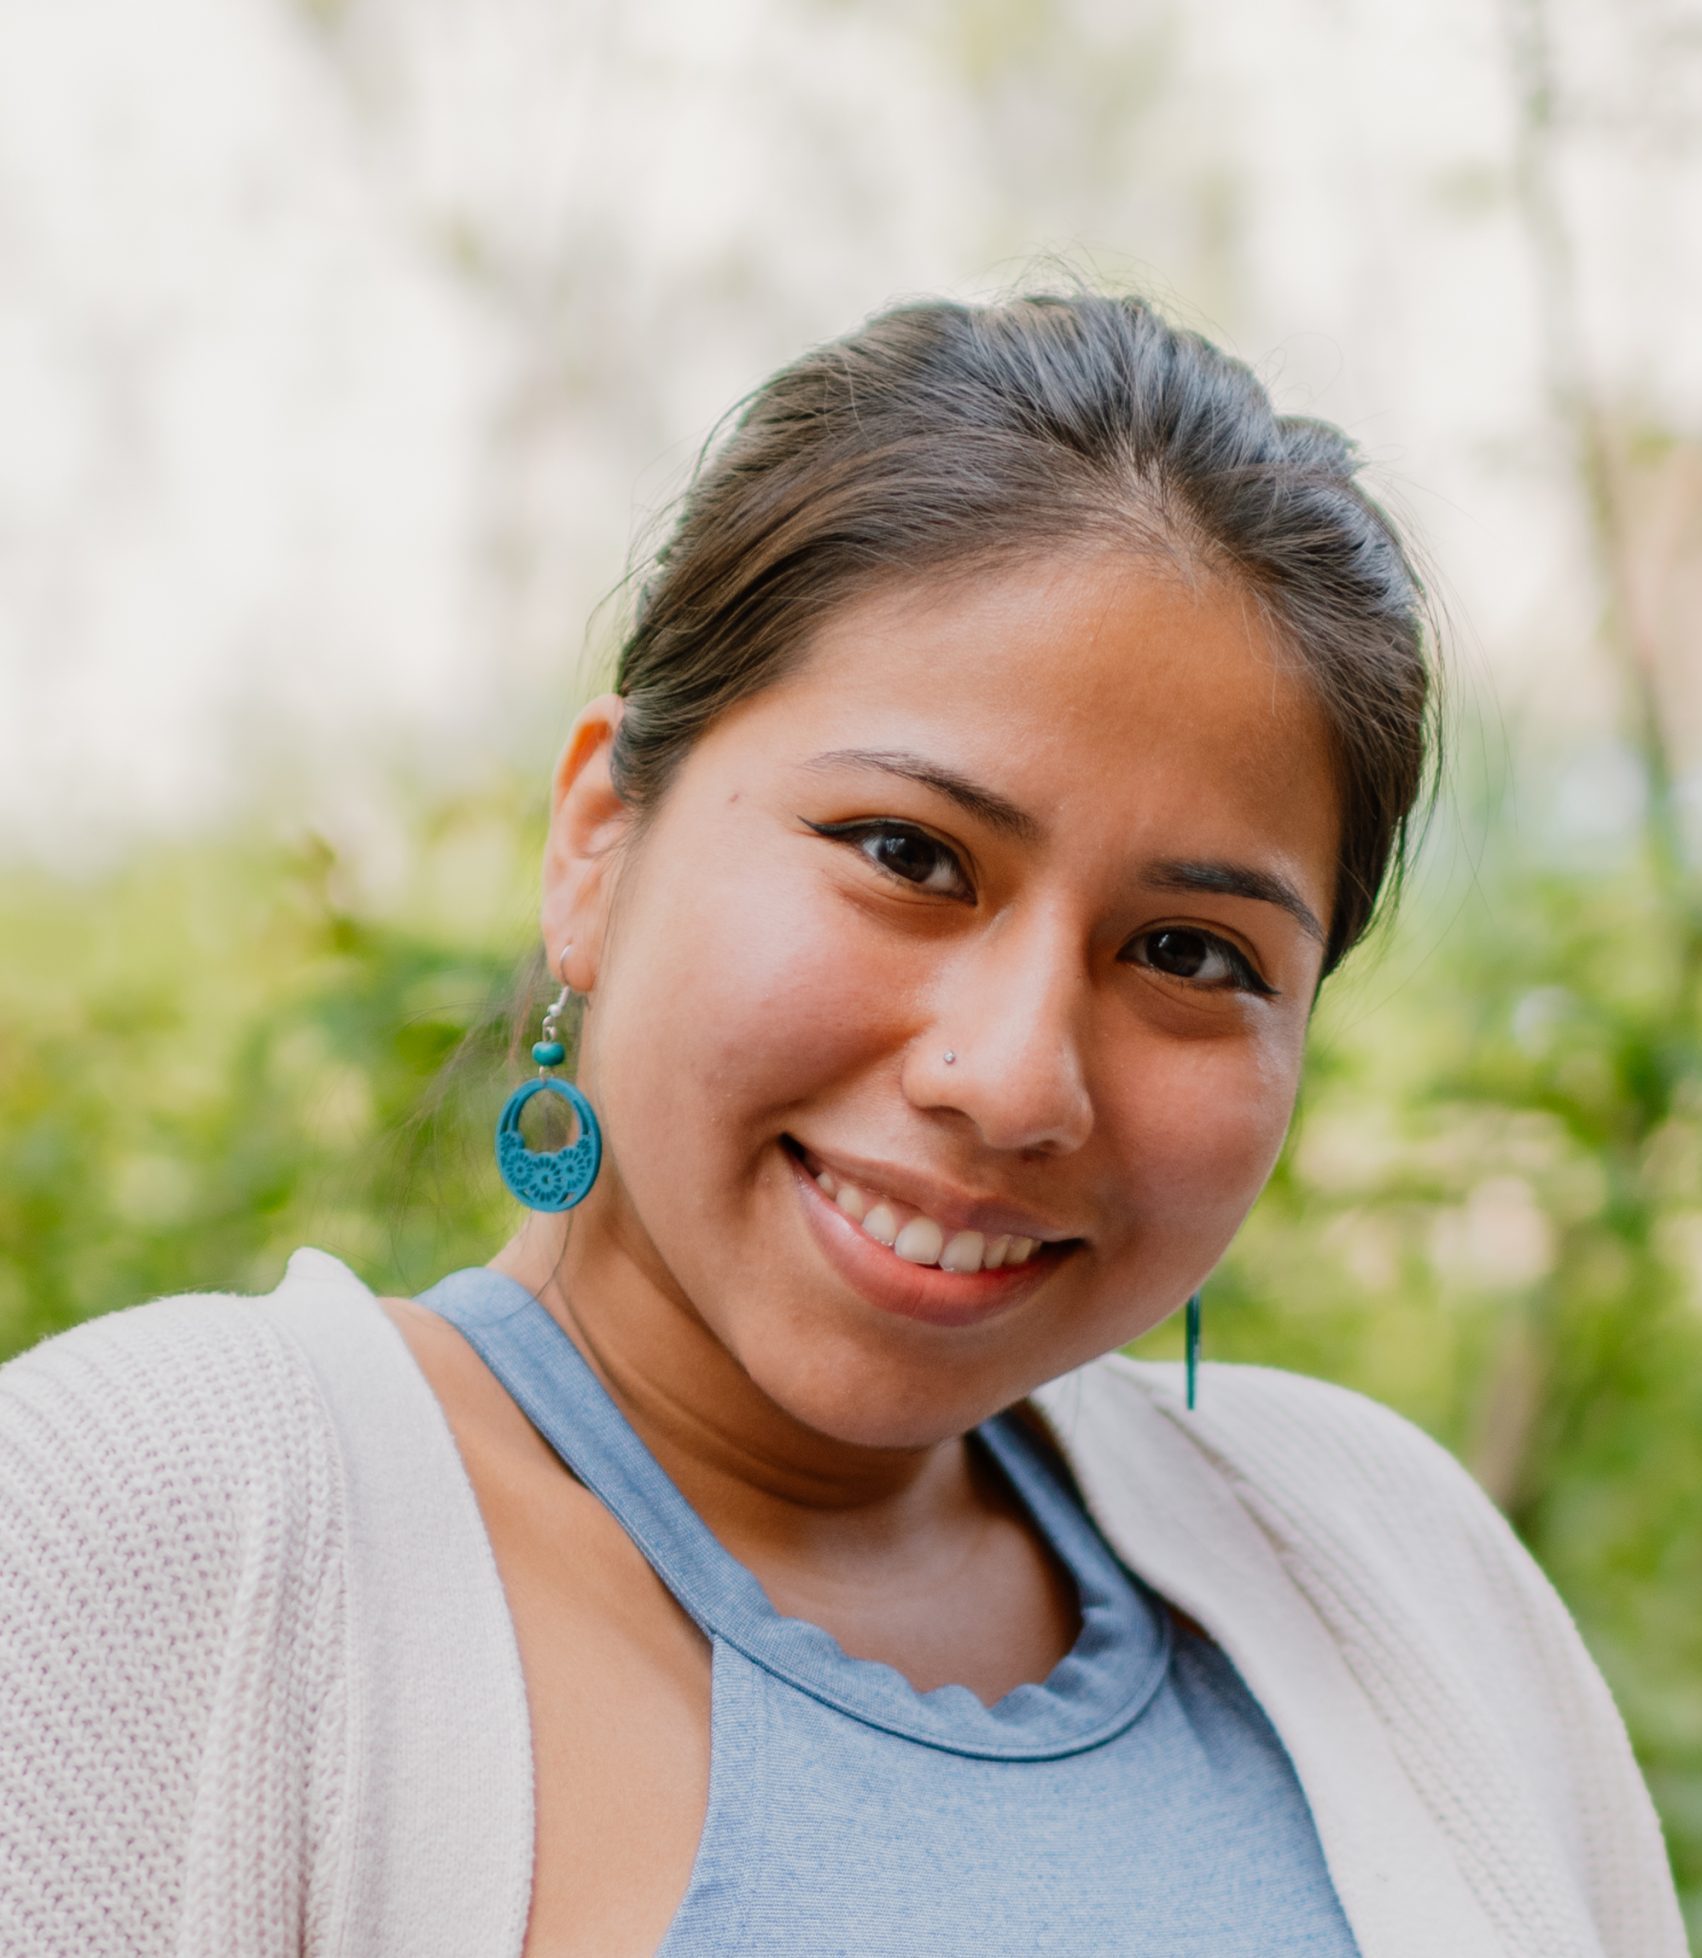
{"x":230,"y":1048}
{"x":1489,"y":1214}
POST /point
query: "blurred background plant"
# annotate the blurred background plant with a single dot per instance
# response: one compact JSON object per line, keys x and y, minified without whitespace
{"x":338,"y":334}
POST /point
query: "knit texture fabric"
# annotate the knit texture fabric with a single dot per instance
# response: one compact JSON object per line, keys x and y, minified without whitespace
{"x":1472,"y":1782}
{"x":174,"y":1542}
{"x":260,"y":1696}
{"x":259,"y":1691}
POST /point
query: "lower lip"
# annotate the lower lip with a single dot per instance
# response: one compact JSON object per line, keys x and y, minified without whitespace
{"x":892,"y":1284}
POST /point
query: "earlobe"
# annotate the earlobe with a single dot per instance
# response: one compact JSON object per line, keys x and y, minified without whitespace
{"x":588,"y":820}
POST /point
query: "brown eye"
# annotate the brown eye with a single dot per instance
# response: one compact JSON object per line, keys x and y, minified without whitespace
{"x":905,"y":852}
{"x":1183,"y":954}
{"x":1197,"y":958}
{"x":910,"y":855}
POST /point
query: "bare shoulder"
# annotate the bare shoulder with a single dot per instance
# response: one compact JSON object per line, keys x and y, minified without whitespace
{"x":617,"y":1677}
{"x":478,"y":1410}
{"x":558,"y":1547}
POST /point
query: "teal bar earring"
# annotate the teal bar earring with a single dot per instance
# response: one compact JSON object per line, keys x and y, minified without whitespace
{"x":1194,"y":1310}
{"x":550,"y":1179}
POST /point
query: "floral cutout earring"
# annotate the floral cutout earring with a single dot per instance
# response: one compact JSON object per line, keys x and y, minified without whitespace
{"x":550,"y":1179}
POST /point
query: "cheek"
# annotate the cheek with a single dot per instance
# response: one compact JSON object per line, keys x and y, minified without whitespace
{"x":754,"y":991}
{"x":1204,"y":1122}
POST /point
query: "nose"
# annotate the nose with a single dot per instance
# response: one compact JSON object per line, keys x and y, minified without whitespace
{"x":1011,"y":1012}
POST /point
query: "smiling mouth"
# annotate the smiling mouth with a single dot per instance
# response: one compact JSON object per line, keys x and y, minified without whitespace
{"x":915,"y":1237}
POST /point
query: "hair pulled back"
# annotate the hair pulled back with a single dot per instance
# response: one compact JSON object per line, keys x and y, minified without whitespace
{"x":941,"y":437}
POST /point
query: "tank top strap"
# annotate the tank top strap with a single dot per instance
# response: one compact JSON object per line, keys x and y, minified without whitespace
{"x":1093,"y":1693}
{"x":1054,"y":1506}
{"x":552,"y":1384}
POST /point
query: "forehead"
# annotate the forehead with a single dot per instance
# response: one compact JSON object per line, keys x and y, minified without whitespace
{"x":1115,"y":694}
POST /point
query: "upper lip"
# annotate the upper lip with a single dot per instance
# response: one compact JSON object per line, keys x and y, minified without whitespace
{"x":950,"y":1207}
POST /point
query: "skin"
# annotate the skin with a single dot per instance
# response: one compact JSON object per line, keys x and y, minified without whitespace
{"x":1128,"y":1053}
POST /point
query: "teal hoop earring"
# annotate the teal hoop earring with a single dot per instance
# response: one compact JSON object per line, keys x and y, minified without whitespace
{"x":1194,"y":1310}
{"x":549,"y":1179}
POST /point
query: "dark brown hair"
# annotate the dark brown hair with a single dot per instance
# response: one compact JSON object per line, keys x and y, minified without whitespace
{"x":937,"y":437}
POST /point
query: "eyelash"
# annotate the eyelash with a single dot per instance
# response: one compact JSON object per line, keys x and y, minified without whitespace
{"x":857,"y":834}
{"x":1245,"y":978}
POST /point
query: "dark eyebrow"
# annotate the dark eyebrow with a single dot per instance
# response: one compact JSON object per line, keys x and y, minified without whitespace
{"x":1237,"y":880}
{"x":995,"y":810}
{"x":998,"y":812}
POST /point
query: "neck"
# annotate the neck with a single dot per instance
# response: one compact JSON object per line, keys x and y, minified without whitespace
{"x":765,"y":1483}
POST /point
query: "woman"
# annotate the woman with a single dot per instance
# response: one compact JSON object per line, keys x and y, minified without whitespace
{"x":762,"y":1554}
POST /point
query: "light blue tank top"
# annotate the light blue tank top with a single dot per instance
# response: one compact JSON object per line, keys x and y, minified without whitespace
{"x":1137,"y":1800}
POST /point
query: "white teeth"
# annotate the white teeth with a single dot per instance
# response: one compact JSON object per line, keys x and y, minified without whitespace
{"x":881,"y":1224}
{"x":920,"y":1242}
{"x":963,"y":1252}
{"x":918,"y":1239}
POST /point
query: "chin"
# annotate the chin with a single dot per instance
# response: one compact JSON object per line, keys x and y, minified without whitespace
{"x":841,"y":1389}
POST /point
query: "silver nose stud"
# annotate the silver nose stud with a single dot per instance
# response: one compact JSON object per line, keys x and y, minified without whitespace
{"x":949,"y":1057}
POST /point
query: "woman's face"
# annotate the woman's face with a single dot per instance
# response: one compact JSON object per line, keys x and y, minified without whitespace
{"x":998,"y":920}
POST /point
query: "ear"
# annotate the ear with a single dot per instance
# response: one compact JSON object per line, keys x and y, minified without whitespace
{"x":587,"y":821}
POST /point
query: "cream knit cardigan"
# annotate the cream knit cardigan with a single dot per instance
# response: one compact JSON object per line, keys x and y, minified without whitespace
{"x":260,"y":1695}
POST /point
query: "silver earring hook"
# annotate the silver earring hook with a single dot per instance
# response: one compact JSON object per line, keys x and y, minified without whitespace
{"x":558,"y":1006}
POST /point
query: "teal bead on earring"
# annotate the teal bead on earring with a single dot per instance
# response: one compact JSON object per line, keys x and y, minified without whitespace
{"x":1194,"y":1310}
{"x":549,"y":1179}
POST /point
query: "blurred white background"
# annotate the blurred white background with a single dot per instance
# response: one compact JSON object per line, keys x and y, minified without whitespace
{"x":345,"y":346}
